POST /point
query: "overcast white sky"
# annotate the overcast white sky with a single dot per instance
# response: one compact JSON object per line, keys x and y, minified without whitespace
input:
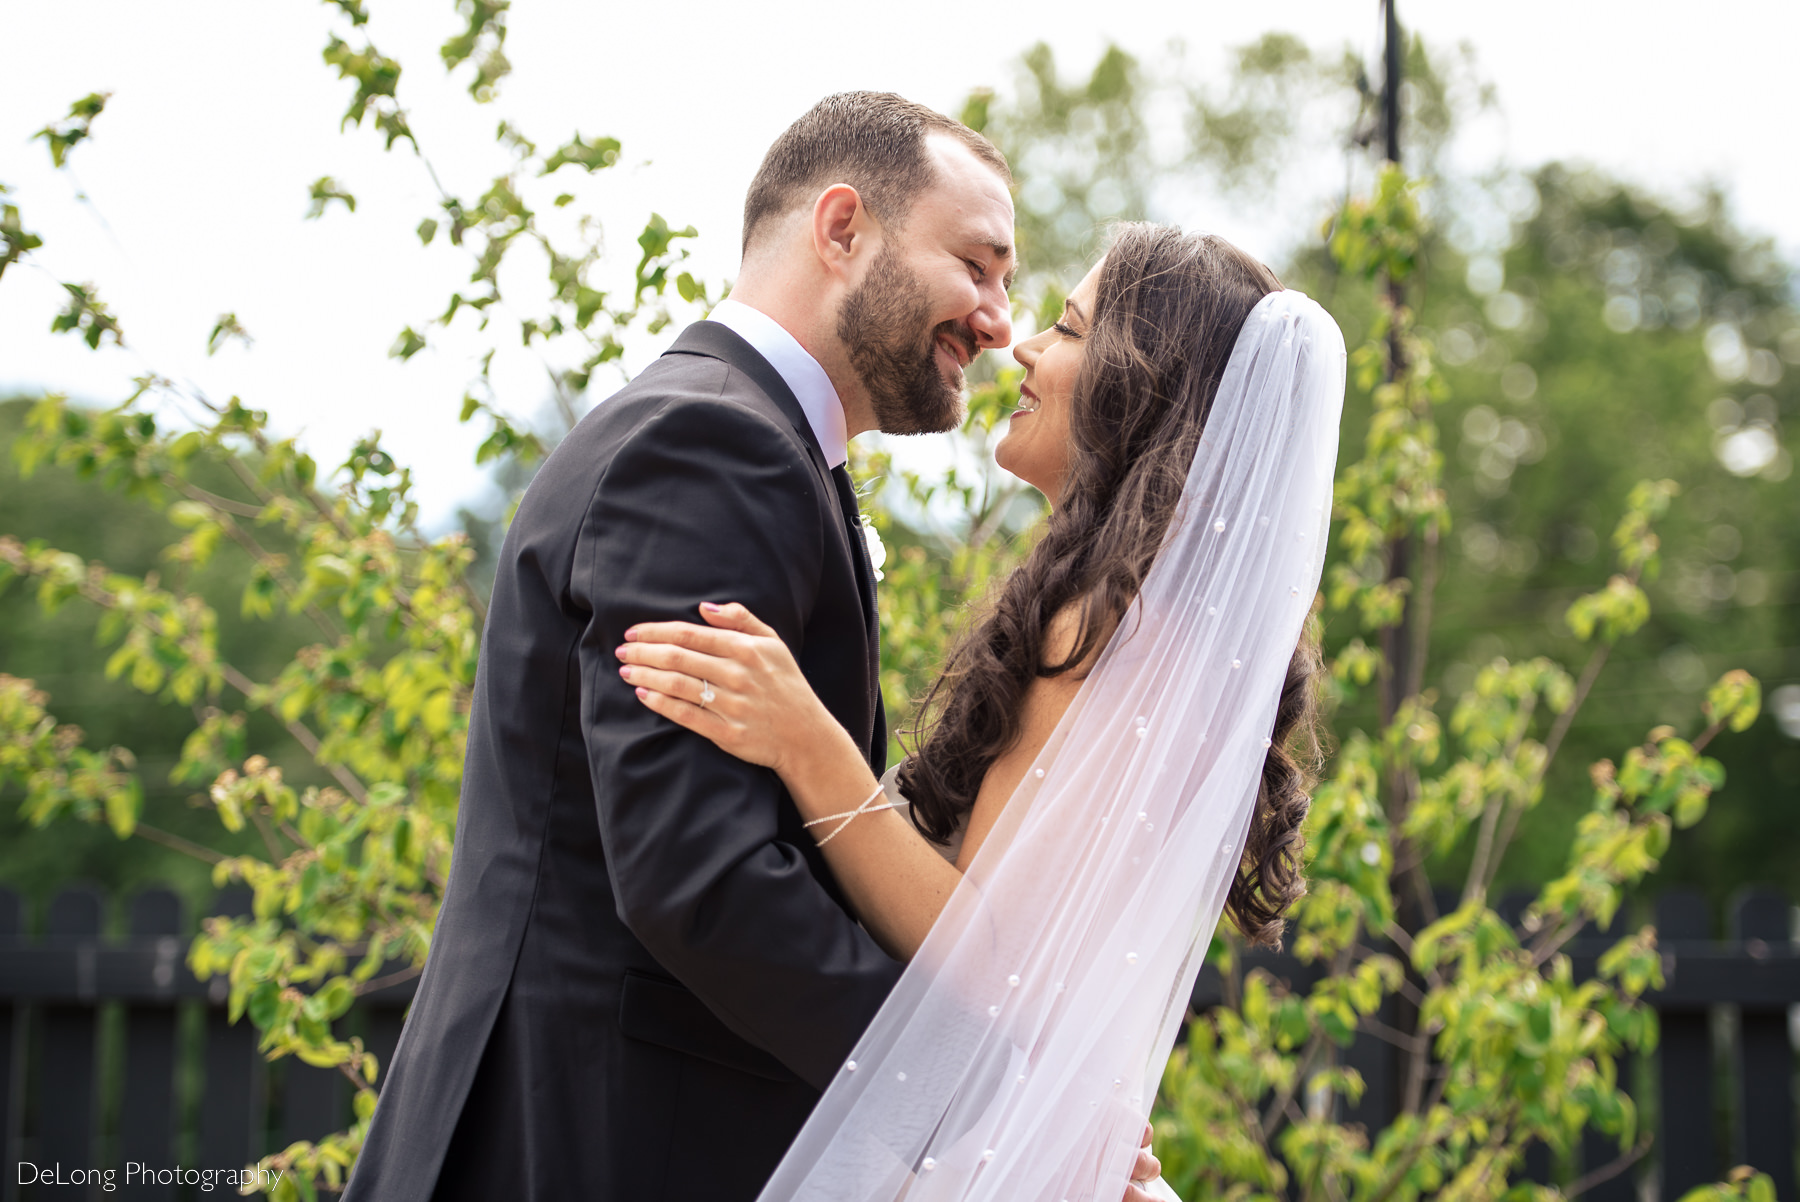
{"x":223,"y":113}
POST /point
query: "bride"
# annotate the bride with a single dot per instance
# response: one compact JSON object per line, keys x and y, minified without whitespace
{"x":1117,"y":751}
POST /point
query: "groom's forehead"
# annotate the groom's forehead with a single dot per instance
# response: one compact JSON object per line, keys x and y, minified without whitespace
{"x":968,"y":205}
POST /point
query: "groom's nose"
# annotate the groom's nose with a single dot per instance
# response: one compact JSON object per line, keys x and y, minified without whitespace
{"x":992,"y":319}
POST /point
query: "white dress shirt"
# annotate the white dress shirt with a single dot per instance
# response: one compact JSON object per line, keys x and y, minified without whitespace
{"x":802,"y":373}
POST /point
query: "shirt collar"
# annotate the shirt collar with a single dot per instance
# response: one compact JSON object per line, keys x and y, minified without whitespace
{"x":801,"y":372}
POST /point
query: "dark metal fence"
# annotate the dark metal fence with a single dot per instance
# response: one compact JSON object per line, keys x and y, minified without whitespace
{"x":113,"y":1054}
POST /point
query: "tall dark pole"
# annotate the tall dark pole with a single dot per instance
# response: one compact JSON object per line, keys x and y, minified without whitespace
{"x":1396,"y":640}
{"x":1412,"y":895}
{"x":1390,"y":88}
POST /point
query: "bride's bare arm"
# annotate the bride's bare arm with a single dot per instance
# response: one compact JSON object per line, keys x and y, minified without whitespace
{"x":763,"y":711}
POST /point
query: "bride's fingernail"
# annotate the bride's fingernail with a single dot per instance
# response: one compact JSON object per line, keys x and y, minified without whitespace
{"x":631,"y":635}
{"x":643,"y":694}
{"x":711,"y":607}
{"x":625,"y":671}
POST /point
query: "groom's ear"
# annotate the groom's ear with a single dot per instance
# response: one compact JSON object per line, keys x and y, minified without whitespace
{"x":842,"y":229}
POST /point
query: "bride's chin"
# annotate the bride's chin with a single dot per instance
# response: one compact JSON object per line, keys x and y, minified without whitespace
{"x":1003,"y":461}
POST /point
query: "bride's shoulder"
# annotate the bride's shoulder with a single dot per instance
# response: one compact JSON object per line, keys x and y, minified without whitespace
{"x":1060,"y":634}
{"x":1063,"y":635}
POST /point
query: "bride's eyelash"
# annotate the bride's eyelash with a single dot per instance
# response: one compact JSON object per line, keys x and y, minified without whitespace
{"x":1064,"y":329}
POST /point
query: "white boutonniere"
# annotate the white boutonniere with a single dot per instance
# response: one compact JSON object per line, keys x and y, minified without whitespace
{"x":877,"y":552}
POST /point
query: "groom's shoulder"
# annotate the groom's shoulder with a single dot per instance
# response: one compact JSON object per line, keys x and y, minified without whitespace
{"x":692,"y":402}
{"x":691,"y":392}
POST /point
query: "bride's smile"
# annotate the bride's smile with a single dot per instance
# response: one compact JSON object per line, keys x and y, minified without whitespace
{"x":1036,"y":445}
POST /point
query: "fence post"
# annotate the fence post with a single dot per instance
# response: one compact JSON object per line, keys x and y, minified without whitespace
{"x":66,"y":1114}
{"x":147,"y":1102}
{"x":1373,"y":1058}
{"x":381,"y":1036}
{"x":312,"y":1103}
{"x":1684,"y":1056}
{"x":230,"y":1110}
{"x":12,"y":1048}
{"x":1598,"y":1150}
{"x":1511,"y":906}
{"x":1764,"y":1134}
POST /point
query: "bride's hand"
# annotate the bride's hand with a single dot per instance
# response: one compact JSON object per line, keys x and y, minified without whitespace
{"x":760,"y":709}
{"x":1144,"y":1172}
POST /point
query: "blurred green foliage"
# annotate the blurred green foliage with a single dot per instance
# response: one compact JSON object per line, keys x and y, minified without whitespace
{"x":59,"y":652}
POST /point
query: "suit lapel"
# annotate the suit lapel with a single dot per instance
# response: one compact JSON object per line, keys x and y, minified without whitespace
{"x":865,"y":567}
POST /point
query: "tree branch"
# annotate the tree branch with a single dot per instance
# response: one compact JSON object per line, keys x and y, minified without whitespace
{"x":1421,"y":617}
{"x":1410,"y":1155}
{"x":222,"y":504}
{"x":177,"y":843}
{"x":393,"y":978}
{"x":1418,"y":1045}
{"x":15,"y":557}
{"x":1552,"y":744}
{"x":1284,"y":1100}
{"x":268,"y":837}
{"x":1607,"y":1172}
{"x":254,"y":549}
{"x":1708,"y":735}
{"x":302,"y":735}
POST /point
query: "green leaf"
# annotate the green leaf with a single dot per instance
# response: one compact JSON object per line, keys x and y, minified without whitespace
{"x":227,"y":327}
{"x":1734,"y":700}
{"x":353,"y":9}
{"x":336,"y":997}
{"x":15,"y":240}
{"x":324,"y":190}
{"x":64,"y":135}
{"x":409,"y":343}
{"x":591,"y":156}
{"x":264,"y":1004}
{"x":975,"y":109}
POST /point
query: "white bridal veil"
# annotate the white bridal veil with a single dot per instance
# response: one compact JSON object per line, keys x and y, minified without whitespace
{"x":1019,"y":1055}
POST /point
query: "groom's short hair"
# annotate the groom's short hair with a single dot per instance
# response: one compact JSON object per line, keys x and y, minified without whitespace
{"x":873,"y":141}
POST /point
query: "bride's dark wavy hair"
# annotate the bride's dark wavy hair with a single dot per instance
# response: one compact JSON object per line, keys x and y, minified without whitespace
{"x":1166,"y":315}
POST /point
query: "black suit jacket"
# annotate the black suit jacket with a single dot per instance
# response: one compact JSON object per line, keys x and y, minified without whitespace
{"x":643,"y":972}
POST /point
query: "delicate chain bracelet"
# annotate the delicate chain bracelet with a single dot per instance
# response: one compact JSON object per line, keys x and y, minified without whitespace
{"x":849,"y":816}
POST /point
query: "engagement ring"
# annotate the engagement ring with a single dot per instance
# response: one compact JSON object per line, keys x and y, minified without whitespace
{"x":706,"y":695}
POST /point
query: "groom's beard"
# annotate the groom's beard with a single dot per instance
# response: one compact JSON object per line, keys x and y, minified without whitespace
{"x":907,"y":389}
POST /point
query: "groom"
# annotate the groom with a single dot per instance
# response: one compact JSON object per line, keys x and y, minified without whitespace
{"x":643,"y":973}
